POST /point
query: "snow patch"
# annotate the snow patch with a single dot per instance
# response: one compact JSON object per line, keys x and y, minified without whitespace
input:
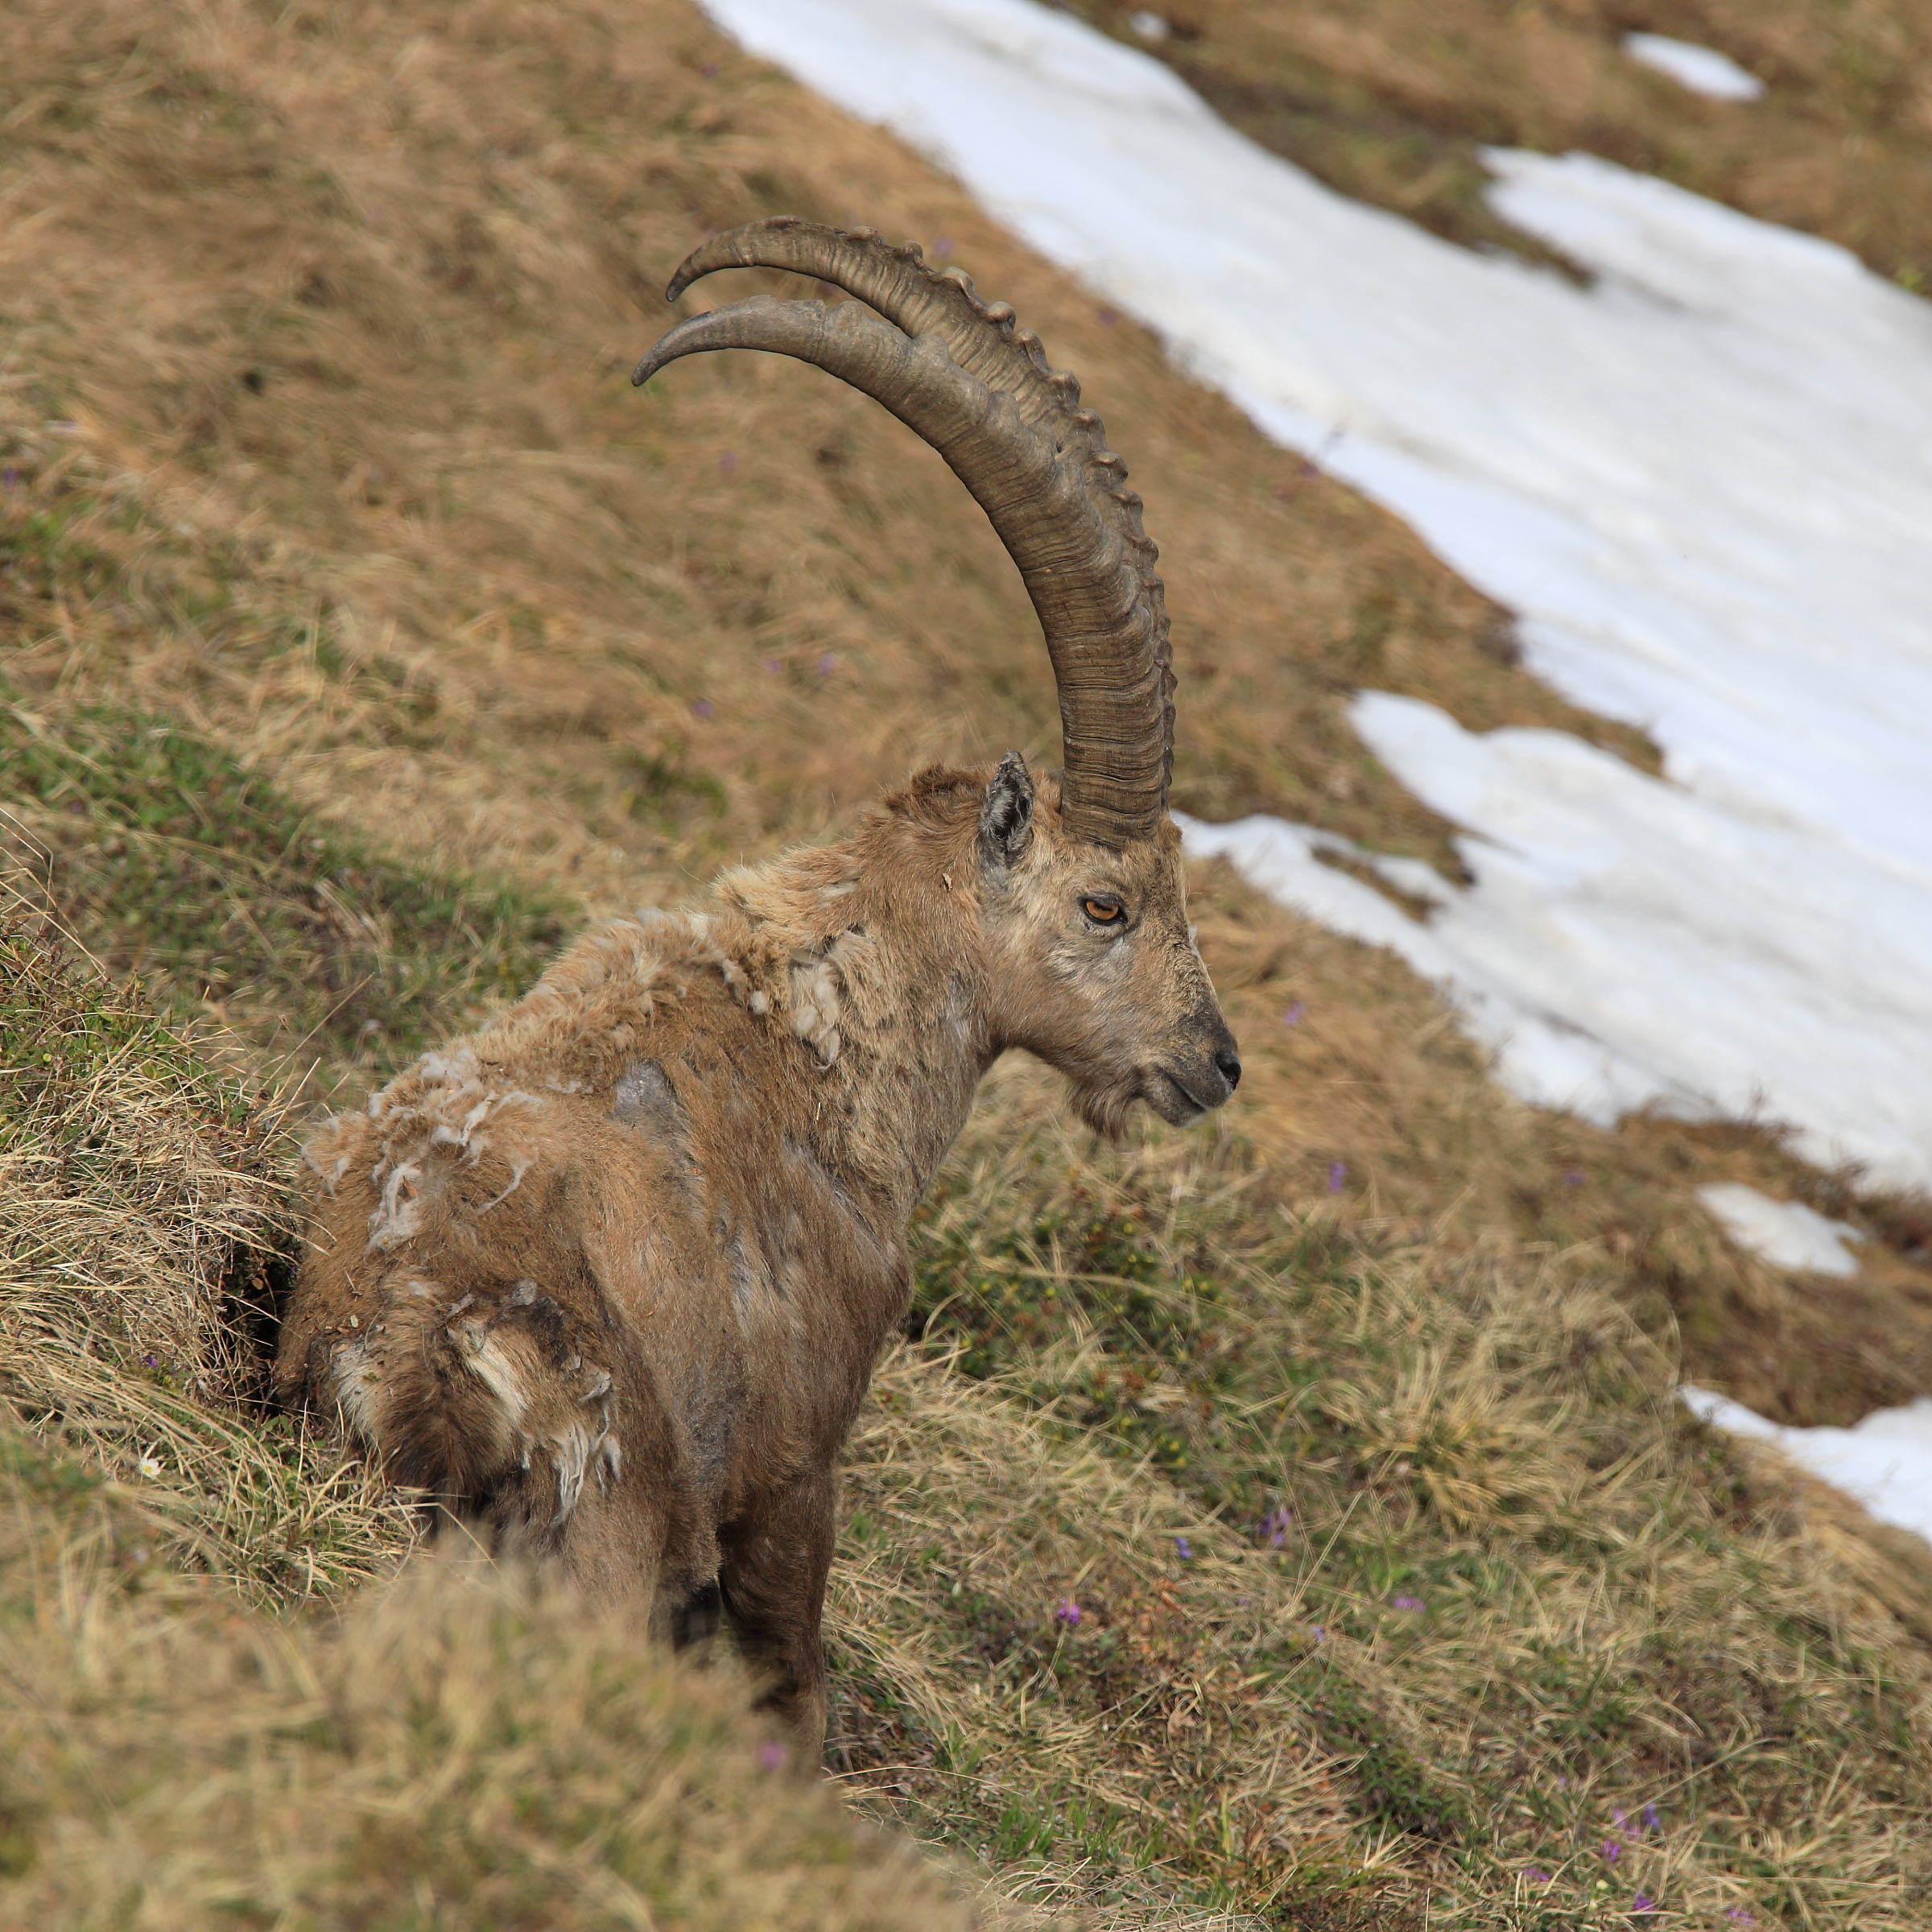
{"x":1702,"y":69}
{"x":1785,"y":1233}
{"x":1884,"y":1462}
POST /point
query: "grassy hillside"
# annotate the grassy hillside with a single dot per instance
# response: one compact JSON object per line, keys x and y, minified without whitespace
{"x":1290,"y":1520}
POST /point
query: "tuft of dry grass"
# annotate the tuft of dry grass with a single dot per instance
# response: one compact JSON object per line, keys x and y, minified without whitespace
{"x":145,"y":1211}
{"x":461,"y":1750}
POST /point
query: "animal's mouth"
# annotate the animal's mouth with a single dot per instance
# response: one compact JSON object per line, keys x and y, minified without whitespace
{"x":1172,"y":1098}
{"x":1182,"y":1093}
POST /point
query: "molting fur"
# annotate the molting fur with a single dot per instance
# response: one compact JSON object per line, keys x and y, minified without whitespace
{"x":607,"y":1277}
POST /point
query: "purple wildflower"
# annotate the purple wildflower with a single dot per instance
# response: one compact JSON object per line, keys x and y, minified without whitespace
{"x":1652,"y":1821}
{"x":148,"y":1361}
{"x":703,"y":707}
{"x":1069,"y":1613}
{"x":1338,"y":1173}
{"x":1643,"y":1902}
{"x":1273,"y":1530}
{"x":1409,"y":1603}
{"x":1741,"y":1914}
{"x":1294,"y":1015}
{"x":1573,"y":1178}
{"x":1621,"y":1822}
{"x":1321,"y":1636}
{"x":1537,"y":1875}
{"x":771,"y":1754}
{"x":1183,"y":1549}
{"x":1563,"y":1784}
{"x":827,"y":664}
{"x":1612,"y":1851}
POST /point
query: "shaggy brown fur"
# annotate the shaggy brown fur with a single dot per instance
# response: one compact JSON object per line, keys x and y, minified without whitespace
{"x":607,"y":1278}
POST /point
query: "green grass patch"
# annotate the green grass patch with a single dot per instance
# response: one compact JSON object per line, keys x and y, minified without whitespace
{"x":169,"y":858}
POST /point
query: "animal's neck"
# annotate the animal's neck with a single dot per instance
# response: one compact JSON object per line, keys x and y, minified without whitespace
{"x":878,"y":969}
{"x":907,"y":1073}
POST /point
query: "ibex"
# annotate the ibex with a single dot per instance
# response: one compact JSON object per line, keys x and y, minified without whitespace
{"x":607,"y":1278}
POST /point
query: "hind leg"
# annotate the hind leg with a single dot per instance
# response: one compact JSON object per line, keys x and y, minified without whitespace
{"x":612,"y":1552}
{"x":776,"y":1559}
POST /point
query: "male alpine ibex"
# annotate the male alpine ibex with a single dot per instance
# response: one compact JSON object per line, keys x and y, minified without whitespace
{"x":607,"y":1278}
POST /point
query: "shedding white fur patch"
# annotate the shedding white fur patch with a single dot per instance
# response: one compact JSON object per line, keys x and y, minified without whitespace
{"x":451,"y":1115}
{"x":519,"y":1166}
{"x":331,"y":1175}
{"x":815,"y":1004}
{"x":355,"y":1380}
{"x":579,"y":1448}
{"x":570,"y":1452}
{"x":398,"y":1212}
{"x":488,"y":1363}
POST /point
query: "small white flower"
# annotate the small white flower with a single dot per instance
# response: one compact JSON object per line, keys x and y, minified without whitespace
{"x":150,"y":1466}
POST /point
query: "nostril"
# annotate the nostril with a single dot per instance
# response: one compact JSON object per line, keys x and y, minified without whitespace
{"x":1230,"y":1063}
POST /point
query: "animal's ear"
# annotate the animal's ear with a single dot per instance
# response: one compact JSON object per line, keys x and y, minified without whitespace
{"x":1006,"y":814}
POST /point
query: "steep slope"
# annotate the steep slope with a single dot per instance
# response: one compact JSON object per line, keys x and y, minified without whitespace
{"x":361,"y":617}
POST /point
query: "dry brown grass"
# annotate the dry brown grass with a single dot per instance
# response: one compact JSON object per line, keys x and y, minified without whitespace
{"x":315,"y":446}
{"x":461,"y":1752}
{"x":1515,"y":1595}
{"x":145,"y":1209}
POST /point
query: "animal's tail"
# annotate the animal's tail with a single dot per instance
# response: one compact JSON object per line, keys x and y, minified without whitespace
{"x":485,"y":1401}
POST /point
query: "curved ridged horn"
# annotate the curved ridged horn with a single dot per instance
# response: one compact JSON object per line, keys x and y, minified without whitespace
{"x":957,"y":371}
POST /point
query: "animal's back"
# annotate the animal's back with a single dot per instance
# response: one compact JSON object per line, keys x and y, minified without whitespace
{"x":565,"y":1275}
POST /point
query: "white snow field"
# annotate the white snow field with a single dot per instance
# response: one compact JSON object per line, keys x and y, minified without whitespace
{"x":1704,"y":485}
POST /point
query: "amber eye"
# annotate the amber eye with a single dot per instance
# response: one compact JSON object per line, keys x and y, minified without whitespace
{"x":1104,"y":912}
